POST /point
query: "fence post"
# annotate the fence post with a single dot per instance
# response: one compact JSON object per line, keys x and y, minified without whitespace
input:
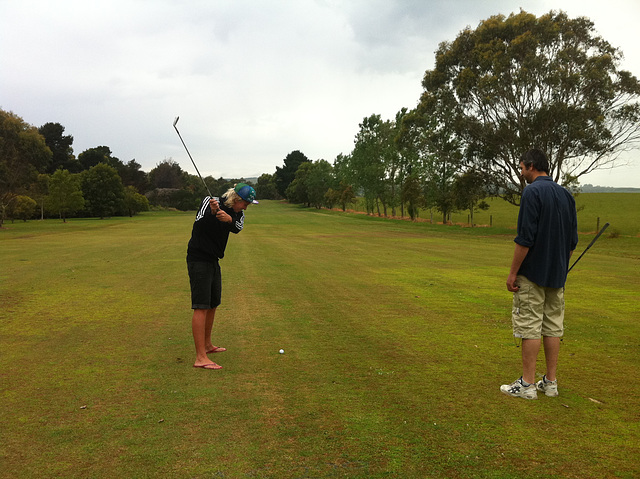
{"x":598,"y":225}
{"x":490,"y":220}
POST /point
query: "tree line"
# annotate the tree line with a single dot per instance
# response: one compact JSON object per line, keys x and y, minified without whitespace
{"x":510,"y":84}
{"x":41,"y":177}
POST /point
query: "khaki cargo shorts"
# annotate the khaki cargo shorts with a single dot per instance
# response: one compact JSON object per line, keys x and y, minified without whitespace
{"x":537,"y":311}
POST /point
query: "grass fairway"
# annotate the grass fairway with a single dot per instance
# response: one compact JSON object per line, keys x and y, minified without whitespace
{"x":396,"y":335}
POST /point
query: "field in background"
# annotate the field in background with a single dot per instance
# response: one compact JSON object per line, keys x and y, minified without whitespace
{"x":614,"y":208}
{"x":396,"y":337}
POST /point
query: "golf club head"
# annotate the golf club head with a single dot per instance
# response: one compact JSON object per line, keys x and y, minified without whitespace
{"x":175,"y":121}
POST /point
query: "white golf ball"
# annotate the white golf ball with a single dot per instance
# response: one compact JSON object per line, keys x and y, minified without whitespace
{"x":282,"y":351}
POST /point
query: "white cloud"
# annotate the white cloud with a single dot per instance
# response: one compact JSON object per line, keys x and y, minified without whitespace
{"x":251,"y":81}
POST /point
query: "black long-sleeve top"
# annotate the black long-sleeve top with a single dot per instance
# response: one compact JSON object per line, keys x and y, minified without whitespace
{"x":209,"y":235}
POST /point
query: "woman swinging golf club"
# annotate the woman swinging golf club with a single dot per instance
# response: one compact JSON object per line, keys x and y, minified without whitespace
{"x":215,"y":219}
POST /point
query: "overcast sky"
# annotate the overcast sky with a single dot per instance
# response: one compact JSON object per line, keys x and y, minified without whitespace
{"x":252,"y":80}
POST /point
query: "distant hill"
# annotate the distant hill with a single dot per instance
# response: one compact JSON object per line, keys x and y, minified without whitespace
{"x":607,"y":189}
{"x":584,"y":188}
{"x":250,"y":179}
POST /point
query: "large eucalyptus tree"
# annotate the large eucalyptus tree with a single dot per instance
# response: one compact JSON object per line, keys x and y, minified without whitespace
{"x":524,"y":81}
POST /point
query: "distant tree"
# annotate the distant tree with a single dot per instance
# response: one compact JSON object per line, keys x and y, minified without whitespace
{"x":65,"y":196}
{"x":365,"y":166}
{"x":398,"y":163}
{"x":23,"y":154}
{"x":522,"y":81}
{"x":180,"y":199}
{"x":184,"y":200}
{"x":60,"y":146}
{"x":286,"y":174}
{"x":266,"y":188}
{"x":331,"y":198}
{"x":413,"y":195}
{"x":132,"y":175}
{"x":22,"y":208}
{"x":135,"y":202}
{"x":103,"y":190}
{"x":221,"y":185}
{"x":346,"y":195}
{"x":436,"y":151}
{"x":319,"y":180}
{"x":441,"y":174}
{"x":39,"y":191}
{"x":298,"y":189}
{"x":193,"y":184}
{"x":470,"y":189}
{"x":167,"y":174}
{"x":296,"y":192}
{"x":92,"y":156}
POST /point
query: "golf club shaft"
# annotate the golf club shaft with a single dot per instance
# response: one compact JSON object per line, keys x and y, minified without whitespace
{"x":590,"y":245}
{"x":190,"y":157}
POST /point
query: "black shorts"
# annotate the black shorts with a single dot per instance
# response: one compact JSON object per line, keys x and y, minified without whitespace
{"x":206,"y":284}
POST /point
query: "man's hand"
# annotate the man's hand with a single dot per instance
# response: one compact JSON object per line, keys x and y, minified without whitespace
{"x":215,"y":206}
{"x":519,"y":255}
{"x":224,"y":217}
{"x":511,"y":283}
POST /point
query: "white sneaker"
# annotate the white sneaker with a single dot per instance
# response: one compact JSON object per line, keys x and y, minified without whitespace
{"x":550,"y":388}
{"x":517,"y":389}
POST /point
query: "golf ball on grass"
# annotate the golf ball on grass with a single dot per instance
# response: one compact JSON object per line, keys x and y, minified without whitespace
{"x":281,"y":351}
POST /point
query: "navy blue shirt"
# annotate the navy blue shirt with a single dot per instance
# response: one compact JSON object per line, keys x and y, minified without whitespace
{"x":548,"y":226}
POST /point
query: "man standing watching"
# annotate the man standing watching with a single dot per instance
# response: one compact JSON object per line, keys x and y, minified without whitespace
{"x":546,"y":237}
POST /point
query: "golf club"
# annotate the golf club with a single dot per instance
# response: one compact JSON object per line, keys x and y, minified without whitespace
{"x":590,"y":245}
{"x":194,"y":163}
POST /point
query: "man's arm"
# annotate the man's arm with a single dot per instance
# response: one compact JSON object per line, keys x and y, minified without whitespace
{"x":218,"y":212}
{"x":519,"y":254}
{"x":223,"y":216}
{"x":234,"y":225}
